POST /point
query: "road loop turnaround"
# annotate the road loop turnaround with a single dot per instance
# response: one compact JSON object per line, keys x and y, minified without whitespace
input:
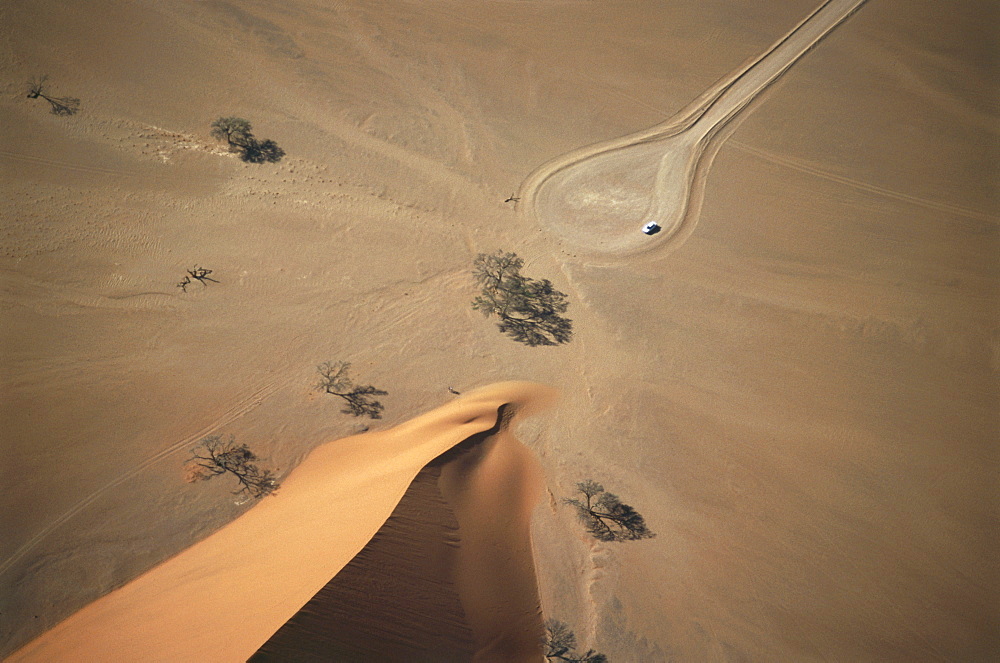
{"x":598,"y":197}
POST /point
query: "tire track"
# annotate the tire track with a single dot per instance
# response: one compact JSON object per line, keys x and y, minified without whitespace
{"x":33,"y":293}
{"x":805,"y":167}
{"x":237,"y":410}
{"x":381,"y":60}
{"x":685,"y":144}
{"x":14,"y":156}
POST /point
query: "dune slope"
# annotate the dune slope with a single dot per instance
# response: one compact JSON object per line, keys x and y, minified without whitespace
{"x":221,"y":599}
{"x":449,"y":577}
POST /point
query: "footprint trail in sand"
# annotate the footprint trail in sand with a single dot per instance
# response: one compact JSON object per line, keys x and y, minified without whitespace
{"x":598,"y":197}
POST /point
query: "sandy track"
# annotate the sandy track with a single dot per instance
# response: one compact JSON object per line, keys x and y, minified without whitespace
{"x":803,"y":167}
{"x":598,"y":196}
{"x":26,"y":158}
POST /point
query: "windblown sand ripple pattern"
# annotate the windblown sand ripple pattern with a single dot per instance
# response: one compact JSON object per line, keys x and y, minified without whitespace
{"x":598,"y":197}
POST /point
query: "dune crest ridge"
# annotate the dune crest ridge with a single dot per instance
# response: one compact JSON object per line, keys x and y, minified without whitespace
{"x":222,"y":598}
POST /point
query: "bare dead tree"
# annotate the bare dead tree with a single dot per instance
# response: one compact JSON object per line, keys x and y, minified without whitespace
{"x":214,"y":456}
{"x":560,"y":645}
{"x":60,"y":105}
{"x":604,"y":515}
{"x":200,"y":274}
{"x":36,"y":86}
{"x":335,"y":379}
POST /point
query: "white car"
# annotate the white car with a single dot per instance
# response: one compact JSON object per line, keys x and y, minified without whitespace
{"x":651,"y":228}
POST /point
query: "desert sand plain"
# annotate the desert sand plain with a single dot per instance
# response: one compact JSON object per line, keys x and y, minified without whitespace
{"x":795,"y":383}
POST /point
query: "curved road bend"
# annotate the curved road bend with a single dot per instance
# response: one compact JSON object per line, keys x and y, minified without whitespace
{"x":681,"y":141}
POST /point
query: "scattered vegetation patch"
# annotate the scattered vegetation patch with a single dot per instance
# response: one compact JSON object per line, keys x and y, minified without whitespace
{"x":560,"y":645}
{"x":38,"y":89}
{"x":335,"y":379}
{"x":528,"y":309}
{"x":215,"y":456}
{"x":604,"y":515}
{"x":238,"y":134}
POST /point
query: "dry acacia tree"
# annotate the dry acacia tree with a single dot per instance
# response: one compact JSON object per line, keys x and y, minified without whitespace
{"x":335,"y":379}
{"x":528,"y":309}
{"x":60,"y":105}
{"x":214,"y":456}
{"x":604,"y":515}
{"x":560,"y":645}
{"x":238,"y":135}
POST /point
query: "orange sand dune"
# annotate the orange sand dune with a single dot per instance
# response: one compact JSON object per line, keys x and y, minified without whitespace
{"x":396,"y":600}
{"x":221,"y":599}
{"x":449,"y":577}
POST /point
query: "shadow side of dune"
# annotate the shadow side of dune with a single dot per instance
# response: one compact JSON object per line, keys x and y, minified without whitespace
{"x":404,"y":598}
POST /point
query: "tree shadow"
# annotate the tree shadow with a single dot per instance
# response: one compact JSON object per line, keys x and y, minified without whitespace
{"x":528,"y":309}
{"x":605,"y":516}
{"x":534,"y":319}
{"x":360,"y":401}
{"x":59,"y":105}
{"x":560,"y":645}
{"x":238,"y":134}
{"x":264,"y":151}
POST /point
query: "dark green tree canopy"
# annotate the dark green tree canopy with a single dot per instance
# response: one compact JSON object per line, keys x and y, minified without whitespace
{"x":605,"y":516}
{"x":528,"y":309}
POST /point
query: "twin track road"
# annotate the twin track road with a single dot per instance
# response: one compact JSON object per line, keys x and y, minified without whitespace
{"x":597,"y":197}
